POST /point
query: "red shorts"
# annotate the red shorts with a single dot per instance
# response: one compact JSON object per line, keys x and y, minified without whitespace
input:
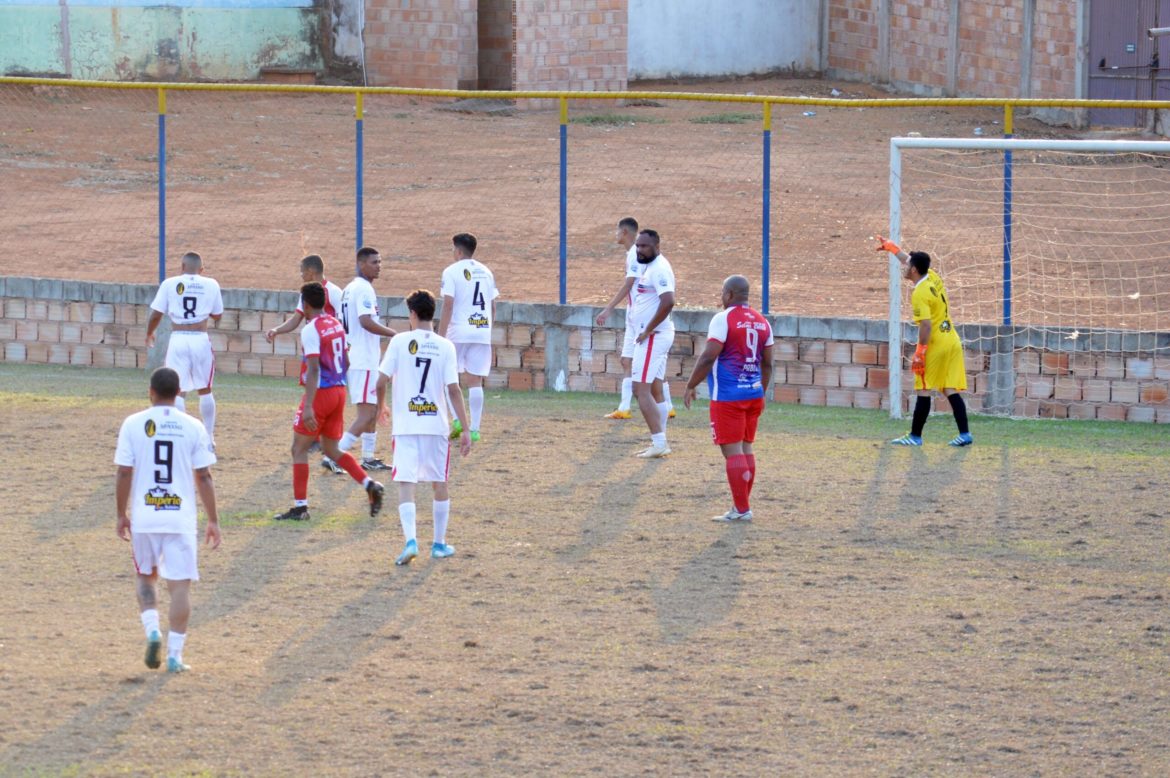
{"x":329,"y":408}
{"x":734,"y":421}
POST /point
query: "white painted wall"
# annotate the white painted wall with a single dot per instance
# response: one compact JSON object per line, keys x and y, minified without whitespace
{"x":722,"y":37}
{"x":348,"y":19}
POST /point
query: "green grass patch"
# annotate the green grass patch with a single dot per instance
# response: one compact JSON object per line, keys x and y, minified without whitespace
{"x":727,"y":118}
{"x":614,"y":119}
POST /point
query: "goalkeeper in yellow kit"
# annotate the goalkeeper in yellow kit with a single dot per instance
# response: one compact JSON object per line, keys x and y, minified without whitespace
{"x":938,"y":359}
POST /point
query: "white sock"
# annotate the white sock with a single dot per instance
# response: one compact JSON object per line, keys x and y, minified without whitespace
{"x":475,"y":400}
{"x":347,"y":441}
{"x":175,"y":642}
{"x":442,"y":511}
{"x":300,"y":503}
{"x":207,"y":413}
{"x":406,"y":512}
{"x":666,"y":394}
{"x":150,"y":620}
{"x":180,"y":403}
{"x":658,"y":439}
{"x":627,"y":393}
{"x":664,"y":412}
{"x":369,"y":440}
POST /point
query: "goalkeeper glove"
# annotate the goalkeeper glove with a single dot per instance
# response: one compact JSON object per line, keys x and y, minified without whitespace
{"x":888,"y":245}
{"x":918,"y":363}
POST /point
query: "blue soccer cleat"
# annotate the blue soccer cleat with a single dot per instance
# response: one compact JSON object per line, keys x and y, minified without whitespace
{"x":907,"y":440}
{"x":175,"y":665}
{"x":441,"y":551}
{"x":154,"y":650}
{"x":409,"y":552}
{"x":962,"y":439}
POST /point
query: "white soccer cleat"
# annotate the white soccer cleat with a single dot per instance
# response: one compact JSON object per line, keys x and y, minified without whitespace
{"x":655,"y":452}
{"x":733,"y":515}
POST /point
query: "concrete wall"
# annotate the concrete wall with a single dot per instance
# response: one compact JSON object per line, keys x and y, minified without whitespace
{"x":722,"y":37}
{"x":833,"y":362}
{"x":186,"y":40}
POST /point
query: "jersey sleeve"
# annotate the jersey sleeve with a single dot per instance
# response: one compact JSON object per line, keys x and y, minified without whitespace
{"x":450,"y":368}
{"x":124,"y":454}
{"x":632,"y":270}
{"x":202,"y":452}
{"x":447,"y":284}
{"x":300,"y":305}
{"x":160,"y":298}
{"x":365,"y":302}
{"x":217,"y":302}
{"x":919,"y":304}
{"x":769,"y":341}
{"x":717,"y":330}
{"x":389,"y":359}
{"x":311,"y":340}
{"x":663,"y":281}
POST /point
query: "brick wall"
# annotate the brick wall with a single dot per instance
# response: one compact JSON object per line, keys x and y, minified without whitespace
{"x":571,"y":44}
{"x":423,"y":43}
{"x":832,"y":362}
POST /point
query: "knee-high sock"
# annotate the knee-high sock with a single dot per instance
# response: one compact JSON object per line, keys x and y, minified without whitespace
{"x":207,"y":412}
{"x":921,"y":414}
{"x":442,"y":512}
{"x":627,"y":394}
{"x":664,"y":411}
{"x":351,"y":466}
{"x":369,"y":441}
{"x":475,"y":403}
{"x":666,"y":394}
{"x":960,"y":409}
{"x":175,"y":641}
{"x":738,"y":478}
{"x":347,"y":441}
{"x":406,"y":511}
{"x":301,"y":483}
{"x":181,"y":403}
{"x":751,"y":465}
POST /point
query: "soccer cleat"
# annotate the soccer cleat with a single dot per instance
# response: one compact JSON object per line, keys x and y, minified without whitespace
{"x":475,"y":436}
{"x":907,"y":440}
{"x":375,"y":491}
{"x":175,"y":665}
{"x":295,"y":513}
{"x":154,"y":650}
{"x":456,"y":429}
{"x":331,"y":466}
{"x":409,"y":552}
{"x":441,"y":551}
{"x":654,"y":452}
{"x":373,"y":464}
{"x":962,"y":439}
{"x":672,"y":414}
{"x":618,"y":414}
{"x":734,"y":515}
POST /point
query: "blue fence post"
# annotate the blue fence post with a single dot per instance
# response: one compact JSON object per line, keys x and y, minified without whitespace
{"x":162,"y":185}
{"x":1007,"y":219}
{"x":358,"y":112}
{"x":766,"y":218}
{"x":564,"y":199}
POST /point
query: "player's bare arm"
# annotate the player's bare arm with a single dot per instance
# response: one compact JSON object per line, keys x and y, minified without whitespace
{"x":123,"y":480}
{"x":455,"y":396}
{"x":370,"y":324}
{"x":383,"y":408}
{"x":206,"y":488}
{"x":288,"y":325}
{"x":665,"y":306}
{"x":701,"y":370}
{"x":445,"y":316}
{"x":312,"y":378}
{"x":622,"y":294}
{"x":151,"y":326}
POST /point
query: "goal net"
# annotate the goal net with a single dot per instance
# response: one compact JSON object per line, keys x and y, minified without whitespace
{"x":1055,"y":255}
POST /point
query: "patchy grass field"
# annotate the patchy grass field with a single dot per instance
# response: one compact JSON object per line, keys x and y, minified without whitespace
{"x":999,"y":610}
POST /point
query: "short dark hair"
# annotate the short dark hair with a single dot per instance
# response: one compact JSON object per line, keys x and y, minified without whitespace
{"x":192,"y":258}
{"x":651,"y":234}
{"x":422,"y":303}
{"x":920,"y":261}
{"x":164,"y":382}
{"x":466,"y":241}
{"x":313,"y":295}
{"x":313,"y":262}
{"x":629,"y":223}
{"x":366,"y":251}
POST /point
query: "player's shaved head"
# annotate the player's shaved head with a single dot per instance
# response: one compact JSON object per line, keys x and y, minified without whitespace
{"x":737,"y":287}
{"x":313,"y":295}
{"x":314,"y":263}
{"x":191,"y":262}
{"x":421,"y":303}
{"x":920,"y":261}
{"x":164,"y":383}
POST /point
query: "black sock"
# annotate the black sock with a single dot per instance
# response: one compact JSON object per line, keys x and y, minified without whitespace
{"x":921,"y":412}
{"x":960,"y":409}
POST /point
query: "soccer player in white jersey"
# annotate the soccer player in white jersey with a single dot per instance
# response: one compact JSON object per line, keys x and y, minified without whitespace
{"x":653,"y":302}
{"x":164,"y":457}
{"x":190,"y":300}
{"x":469,"y":309}
{"x":422,"y":364}
{"x":627,"y":233}
{"x":313,"y":272}
{"x":364,"y":332}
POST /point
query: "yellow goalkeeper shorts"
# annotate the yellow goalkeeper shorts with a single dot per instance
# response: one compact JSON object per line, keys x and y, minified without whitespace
{"x":944,"y":364}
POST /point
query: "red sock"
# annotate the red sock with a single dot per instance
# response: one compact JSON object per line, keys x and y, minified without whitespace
{"x":301,"y":481}
{"x":351,"y":466}
{"x":738,"y":478}
{"x":751,"y":464}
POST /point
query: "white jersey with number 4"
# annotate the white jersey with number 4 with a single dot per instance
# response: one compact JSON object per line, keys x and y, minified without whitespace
{"x":188,"y":298}
{"x":358,"y":300}
{"x":422,"y":365}
{"x":165,"y":447}
{"x":473,"y":288}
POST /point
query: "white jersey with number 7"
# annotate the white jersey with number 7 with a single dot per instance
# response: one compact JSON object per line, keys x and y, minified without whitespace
{"x":422,"y":366}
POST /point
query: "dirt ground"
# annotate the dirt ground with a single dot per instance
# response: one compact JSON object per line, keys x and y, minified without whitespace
{"x":999,"y":610}
{"x":256,"y":181}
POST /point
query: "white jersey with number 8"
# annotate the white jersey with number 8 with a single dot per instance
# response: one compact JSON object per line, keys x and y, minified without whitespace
{"x":188,"y":298}
{"x":422,"y":365}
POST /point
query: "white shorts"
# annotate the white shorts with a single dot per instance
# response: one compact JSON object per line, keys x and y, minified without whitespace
{"x":474,"y":358}
{"x":173,"y":554}
{"x":650,"y":357}
{"x":189,"y":354}
{"x":363,"y":386}
{"x":420,"y":458}
{"x":628,"y":343}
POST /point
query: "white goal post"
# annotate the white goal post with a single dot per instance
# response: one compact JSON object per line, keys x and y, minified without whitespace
{"x":995,"y":182}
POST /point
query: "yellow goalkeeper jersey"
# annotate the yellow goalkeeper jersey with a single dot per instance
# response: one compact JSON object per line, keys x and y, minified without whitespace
{"x":944,"y":354}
